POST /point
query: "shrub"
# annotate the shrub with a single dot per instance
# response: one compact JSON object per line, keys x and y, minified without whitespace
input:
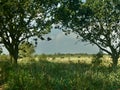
{"x":97,"y":59}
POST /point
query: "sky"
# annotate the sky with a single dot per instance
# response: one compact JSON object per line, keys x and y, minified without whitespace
{"x":61,"y":43}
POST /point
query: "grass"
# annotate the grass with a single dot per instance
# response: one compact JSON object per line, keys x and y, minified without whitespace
{"x":62,"y":75}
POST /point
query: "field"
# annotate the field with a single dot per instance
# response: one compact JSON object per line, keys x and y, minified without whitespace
{"x":60,"y":72}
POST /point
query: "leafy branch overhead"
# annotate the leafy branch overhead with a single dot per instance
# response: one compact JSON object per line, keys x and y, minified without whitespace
{"x":22,"y":19}
{"x":96,"y":21}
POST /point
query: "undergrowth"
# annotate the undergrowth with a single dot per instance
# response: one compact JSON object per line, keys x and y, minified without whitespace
{"x":44,"y":75}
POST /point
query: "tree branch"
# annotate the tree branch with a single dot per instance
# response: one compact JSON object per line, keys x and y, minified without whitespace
{"x":103,"y":48}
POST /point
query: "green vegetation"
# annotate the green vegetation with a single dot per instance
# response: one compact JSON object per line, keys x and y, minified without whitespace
{"x":96,"y":21}
{"x":26,"y":49}
{"x":52,"y":75}
{"x":23,"y":19}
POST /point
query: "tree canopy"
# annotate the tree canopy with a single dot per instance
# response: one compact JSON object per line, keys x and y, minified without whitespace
{"x":95,"y":21}
{"x":22,"y":19}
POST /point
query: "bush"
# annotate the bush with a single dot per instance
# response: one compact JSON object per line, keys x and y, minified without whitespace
{"x":42,"y":57}
{"x":4,"y":57}
{"x":97,"y":59}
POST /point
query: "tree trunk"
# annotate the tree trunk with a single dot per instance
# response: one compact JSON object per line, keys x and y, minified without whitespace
{"x":115,"y":60}
{"x":14,"y":57}
{"x":13,"y":54}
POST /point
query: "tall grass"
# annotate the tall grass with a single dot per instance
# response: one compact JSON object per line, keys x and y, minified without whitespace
{"x":45,"y":75}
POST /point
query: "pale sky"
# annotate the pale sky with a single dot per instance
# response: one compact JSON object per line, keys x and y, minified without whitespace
{"x":61,"y":43}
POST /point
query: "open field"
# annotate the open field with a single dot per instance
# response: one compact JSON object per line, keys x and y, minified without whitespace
{"x":64,"y":72}
{"x":67,"y":58}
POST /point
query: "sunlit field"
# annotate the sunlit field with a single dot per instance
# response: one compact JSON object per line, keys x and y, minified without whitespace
{"x":67,"y":58}
{"x":60,"y":72}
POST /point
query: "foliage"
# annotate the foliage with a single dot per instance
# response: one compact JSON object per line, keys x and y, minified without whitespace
{"x":26,"y":49}
{"x":61,"y":76}
{"x":1,"y":50}
{"x":97,"y":59}
{"x":22,"y":19}
{"x":42,"y":57}
{"x":95,"y":21}
{"x":4,"y":57}
{"x":5,"y":66}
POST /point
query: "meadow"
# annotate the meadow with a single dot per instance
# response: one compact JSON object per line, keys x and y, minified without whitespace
{"x":60,"y":72}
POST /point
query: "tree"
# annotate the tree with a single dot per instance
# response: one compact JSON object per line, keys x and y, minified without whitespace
{"x":95,"y":21}
{"x":1,"y":50}
{"x":23,"y":19}
{"x":26,"y":49}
